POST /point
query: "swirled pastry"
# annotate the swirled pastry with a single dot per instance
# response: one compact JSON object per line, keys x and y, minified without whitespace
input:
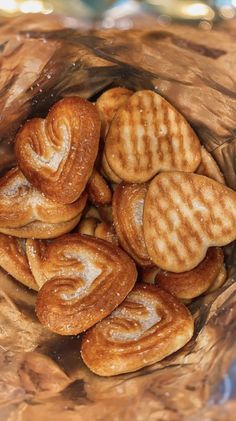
{"x":127,"y":209}
{"x":98,"y":228}
{"x":191,"y":284}
{"x":57,"y":154}
{"x":99,"y":192}
{"x":25,"y":212}
{"x":14,"y":261}
{"x":87,"y":278}
{"x":184,"y":215}
{"x":147,"y":135}
{"x":108,"y":104}
{"x":209,"y":167}
{"x":149,"y":325}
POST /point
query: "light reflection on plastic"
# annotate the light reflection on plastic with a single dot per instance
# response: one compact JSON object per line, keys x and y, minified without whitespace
{"x":9,"y":6}
{"x":30,"y":6}
{"x":198,"y":10}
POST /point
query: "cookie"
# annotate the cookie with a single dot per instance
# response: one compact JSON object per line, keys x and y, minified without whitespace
{"x":98,"y":190}
{"x":148,"y":326}
{"x":191,"y":284}
{"x":86,"y":279}
{"x":147,"y":136}
{"x":14,"y":261}
{"x":26,"y":213}
{"x":184,"y":215}
{"x":57,"y":154}
{"x":127,"y":210}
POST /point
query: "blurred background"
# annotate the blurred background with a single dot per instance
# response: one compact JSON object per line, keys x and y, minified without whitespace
{"x":118,"y":13}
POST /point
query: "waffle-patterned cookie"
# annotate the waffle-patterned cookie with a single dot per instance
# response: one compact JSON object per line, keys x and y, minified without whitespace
{"x":26,"y":213}
{"x":127,"y":209}
{"x":191,"y":284}
{"x":149,"y":325}
{"x":57,"y":154}
{"x":108,"y":104}
{"x":184,"y":215}
{"x":14,"y":261}
{"x":147,"y":135}
{"x":86,"y":279}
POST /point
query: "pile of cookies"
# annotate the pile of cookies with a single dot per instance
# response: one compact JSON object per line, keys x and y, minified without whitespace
{"x":115,"y":214}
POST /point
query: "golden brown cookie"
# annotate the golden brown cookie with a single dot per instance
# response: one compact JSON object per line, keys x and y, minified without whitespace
{"x":191,"y":284}
{"x":147,"y":135}
{"x":25,"y":212}
{"x":149,"y":325}
{"x":184,"y":215}
{"x":99,"y":192}
{"x":108,"y":172}
{"x":98,"y":228}
{"x":127,"y":209}
{"x":14,"y":261}
{"x":87,"y":278}
{"x":219,"y":281}
{"x":108,"y":104}
{"x":209,"y":167}
{"x":57,"y":154}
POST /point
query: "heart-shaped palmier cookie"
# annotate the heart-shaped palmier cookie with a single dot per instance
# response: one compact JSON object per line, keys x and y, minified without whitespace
{"x":87,"y":278}
{"x":108,"y":104}
{"x":57,"y":154}
{"x":127,"y":209}
{"x":191,"y":284}
{"x":184,"y":215}
{"x":25,"y":212}
{"x":147,"y":135}
{"x":149,"y":325}
{"x":99,"y":192}
{"x":14,"y":261}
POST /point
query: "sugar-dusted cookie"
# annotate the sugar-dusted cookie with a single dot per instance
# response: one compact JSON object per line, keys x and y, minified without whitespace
{"x":14,"y":261}
{"x":148,"y":135}
{"x":127,"y":209}
{"x":108,"y":104}
{"x":99,"y":192}
{"x":149,"y":325}
{"x":191,"y":284}
{"x":26,"y":213}
{"x":86,"y":279}
{"x":184,"y":215}
{"x":57,"y":154}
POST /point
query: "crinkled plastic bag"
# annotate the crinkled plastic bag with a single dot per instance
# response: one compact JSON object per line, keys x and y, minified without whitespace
{"x":42,"y":374}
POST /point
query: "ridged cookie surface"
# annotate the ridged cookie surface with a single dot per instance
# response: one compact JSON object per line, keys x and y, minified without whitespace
{"x":184,"y":214}
{"x":87,"y":278}
{"x":147,"y":135}
{"x":25,"y":212}
{"x":149,"y":325}
{"x":127,"y":209}
{"x":57,"y":154}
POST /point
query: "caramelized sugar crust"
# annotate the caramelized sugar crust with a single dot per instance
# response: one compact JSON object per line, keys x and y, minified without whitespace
{"x":57,"y":154}
{"x":149,"y":325}
{"x":87,"y":278}
{"x":191,"y":284}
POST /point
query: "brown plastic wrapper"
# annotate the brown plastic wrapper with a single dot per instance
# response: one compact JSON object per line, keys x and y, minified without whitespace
{"x":42,"y":375}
